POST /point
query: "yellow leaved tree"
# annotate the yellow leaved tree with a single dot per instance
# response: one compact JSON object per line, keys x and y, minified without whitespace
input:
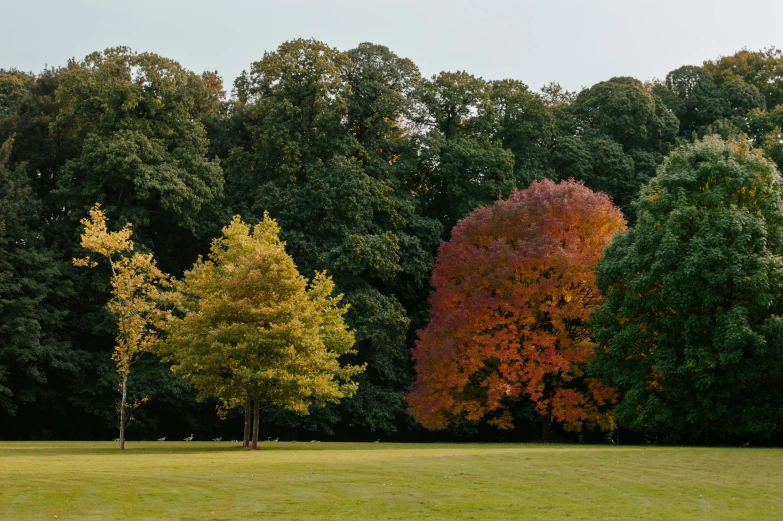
{"x":136,"y":289}
{"x":250,"y":329}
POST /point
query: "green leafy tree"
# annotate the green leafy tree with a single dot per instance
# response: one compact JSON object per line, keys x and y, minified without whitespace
{"x":253,"y":329}
{"x":691,"y":325}
{"x":698,"y":101}
{"x":462,"y":165}
{"x":127,"y":130}
{"x":138,"y":121}
{"x":602,"y":164}
{"x":628,"y":112}
{"x":523,"y":124}
{"x":692,"y":95}
{"x":762,"y":70}
{"x":14,"y":88}
{"x":765,"y":128}
{"x":613,"y":136}
{"x":323,"y":144}
{"x":382,"y":105}
{"x":33,"y":343}
{"x":28,"y":107}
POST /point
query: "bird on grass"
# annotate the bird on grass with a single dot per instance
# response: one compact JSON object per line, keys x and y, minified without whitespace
{"x":218,"y":439}
{"x":747,"y":444}
{"x":162,"y":439}
{"x":377,"y":441}
{"x":116,"y":439}
{"x":276,"y":439}
{"x":189,"y":438}
{"x":314,"y":441}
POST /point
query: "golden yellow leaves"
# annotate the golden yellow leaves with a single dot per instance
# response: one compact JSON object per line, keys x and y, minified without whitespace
{"x":250,"y":325}
{"x":98,"y":239}
{"x":136,"y":283}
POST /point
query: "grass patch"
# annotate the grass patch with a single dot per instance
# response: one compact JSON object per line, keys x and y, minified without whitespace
{"x":221,"y":481}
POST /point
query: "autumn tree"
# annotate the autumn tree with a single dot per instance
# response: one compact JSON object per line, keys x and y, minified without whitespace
{"x":691,"y":329}
{"x":513,"y":290}
{"x":252,"y":329}
{"x":136,"y":284}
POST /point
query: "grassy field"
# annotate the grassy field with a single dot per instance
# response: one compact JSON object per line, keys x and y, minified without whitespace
{"x":347,"y":481}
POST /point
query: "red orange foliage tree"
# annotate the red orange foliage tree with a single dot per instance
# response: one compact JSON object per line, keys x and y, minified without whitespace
{"x":513,"y":291}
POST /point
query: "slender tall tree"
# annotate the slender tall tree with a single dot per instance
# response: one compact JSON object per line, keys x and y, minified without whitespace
{"x":136,"y":284}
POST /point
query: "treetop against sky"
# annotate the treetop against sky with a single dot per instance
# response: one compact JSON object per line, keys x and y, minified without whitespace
{"x":573,"y":42}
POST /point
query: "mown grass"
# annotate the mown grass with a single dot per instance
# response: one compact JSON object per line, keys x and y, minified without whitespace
{"x":347,"y":481}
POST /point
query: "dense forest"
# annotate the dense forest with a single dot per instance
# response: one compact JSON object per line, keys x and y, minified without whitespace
{"x":366,"y":166}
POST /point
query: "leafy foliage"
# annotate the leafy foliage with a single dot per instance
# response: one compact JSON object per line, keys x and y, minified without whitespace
{"x":31,"y":320}
{"x":513,"y":290}
{"x":365,"y":164}
{"x":613,"y":136}
{"x":252,"y":326}
{"x":691,"y":328}
{"x":461,"y":165}
{"x":762,"y":70}
{"x":324,"y":149}
{"x":137,"y":118}
{"x":136,"y":284}
{"x":698,"y":100}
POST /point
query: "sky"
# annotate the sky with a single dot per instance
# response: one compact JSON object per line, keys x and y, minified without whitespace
{"x":575,"y":43}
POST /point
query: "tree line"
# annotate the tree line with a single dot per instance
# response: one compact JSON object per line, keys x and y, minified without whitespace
{"x":366,"y":166}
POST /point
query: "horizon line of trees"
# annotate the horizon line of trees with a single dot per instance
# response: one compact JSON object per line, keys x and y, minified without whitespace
{"x":365,"y":165}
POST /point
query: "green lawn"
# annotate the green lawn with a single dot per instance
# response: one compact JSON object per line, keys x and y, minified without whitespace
{"x":347,"y":481}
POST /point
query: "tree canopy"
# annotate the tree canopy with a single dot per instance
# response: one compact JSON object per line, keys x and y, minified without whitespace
{"x":691,"y":328}
{"x":513,"y":290}
{"x":366,"y":164}
{"x":251,"y":326}
{"x":323,"y":149}
{"x":31,"y":296}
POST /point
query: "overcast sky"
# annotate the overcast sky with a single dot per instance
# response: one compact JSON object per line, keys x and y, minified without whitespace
{"x":576,"y":43}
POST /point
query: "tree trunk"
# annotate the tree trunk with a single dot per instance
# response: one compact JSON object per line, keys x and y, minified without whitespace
{"x":546,"y":428}
{"x":255,"y":423}
{"x":248,"y":404}
{"x":122,"y":410}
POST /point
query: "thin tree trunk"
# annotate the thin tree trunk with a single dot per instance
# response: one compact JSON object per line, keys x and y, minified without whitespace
{"x":255,"y":423}
{"x":248,"y":404}
{"x":546,"y":428}
{"x":122,"y":410}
